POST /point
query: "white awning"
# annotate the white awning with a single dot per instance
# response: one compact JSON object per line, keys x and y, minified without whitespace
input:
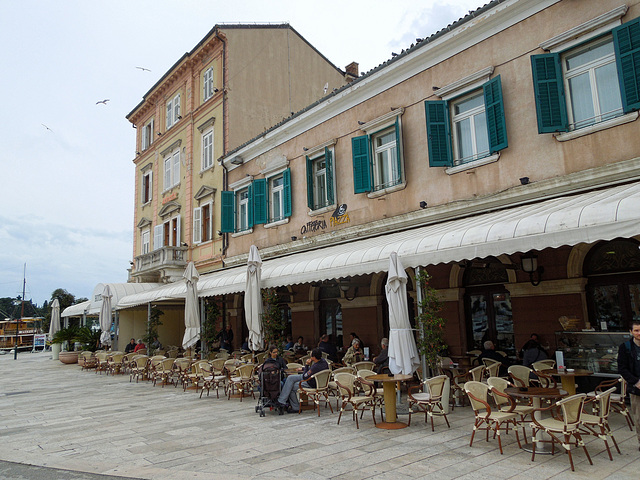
{"x":582,"y":218}
{"x":118,"y":291}
{"x":76,"y":310}
{"x":165,"y":292}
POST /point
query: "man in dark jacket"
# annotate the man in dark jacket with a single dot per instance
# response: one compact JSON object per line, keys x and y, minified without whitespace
{"x":289,"y":391}
{"x":327,"y":347}
{"x":629,"y":368}
{"x":382,"y":360}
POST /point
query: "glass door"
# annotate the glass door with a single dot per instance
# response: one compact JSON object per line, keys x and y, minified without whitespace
{"x":490,"y":317}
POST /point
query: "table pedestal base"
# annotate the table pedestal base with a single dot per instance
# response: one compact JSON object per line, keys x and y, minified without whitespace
{"x":391,"y":425}
{"x":541,"y":448}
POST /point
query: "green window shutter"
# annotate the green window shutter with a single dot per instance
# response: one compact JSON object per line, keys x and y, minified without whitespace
{"x":438,"y":136}
{"x":227,"y":217}
{"x":551,"y":106}
{"x":286,"y":188}
{"x":626,"y":41}
{"x":398,"y":150}
{"x":309,"y":183}
{"x":360,"y":151}
{"x":259,"y":201}
{"x":328,"y":157}
{"x":494,"y":108}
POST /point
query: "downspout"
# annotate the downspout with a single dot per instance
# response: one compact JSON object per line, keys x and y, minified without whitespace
{"x":225,"y":127}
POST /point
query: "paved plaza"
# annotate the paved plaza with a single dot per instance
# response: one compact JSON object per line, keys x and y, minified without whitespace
{"x":55,"y":415}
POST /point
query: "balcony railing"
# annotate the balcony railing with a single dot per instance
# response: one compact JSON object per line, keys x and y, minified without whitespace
{"x":161,"y":258}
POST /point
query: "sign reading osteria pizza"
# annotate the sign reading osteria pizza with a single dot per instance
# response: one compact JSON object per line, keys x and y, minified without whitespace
{"x":338,"y":217}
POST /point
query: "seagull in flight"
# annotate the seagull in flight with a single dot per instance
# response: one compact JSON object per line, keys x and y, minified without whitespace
{"x":104,"y":102}
{"x":143,"y":69}
{"x":46,"y":127}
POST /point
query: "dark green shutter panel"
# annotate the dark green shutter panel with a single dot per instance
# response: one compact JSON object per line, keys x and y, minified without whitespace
{"x":259,"y":201}
{"x":328,"y":157}
{"x":361,"y":164}
{"x":551,"y":106}
{"x":309,"y":183}
{"x":250,"y":206}
{"x":494,"y":108}
{"x":227,"y":216}
{"x":286,"y":188}
{"x":626,"y":41}
{"x":438,"y":138}
{"x":398,"y":148}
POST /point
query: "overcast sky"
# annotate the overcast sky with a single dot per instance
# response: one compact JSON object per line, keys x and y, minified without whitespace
{"x":66,"y":203}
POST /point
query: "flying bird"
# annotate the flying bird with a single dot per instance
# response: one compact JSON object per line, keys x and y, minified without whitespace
{"x":104,"y":102}
{"x":143,"y":69}
{"x":46,"y":127}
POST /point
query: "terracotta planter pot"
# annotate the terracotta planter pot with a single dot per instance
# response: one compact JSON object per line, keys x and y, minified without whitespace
{"x":68,"y":357}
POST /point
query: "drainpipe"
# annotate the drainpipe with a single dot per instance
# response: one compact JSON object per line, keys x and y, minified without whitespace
{"x":225,"y":127}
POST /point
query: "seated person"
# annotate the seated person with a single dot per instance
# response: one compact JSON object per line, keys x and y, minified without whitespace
{"x":290,"y":343}
{"x":289,"y":391}
{"x":382,"y":360}
{"x":139,"y":346}
{"x":490,"y":352}
{"x":299,"y":346}
{"x":156,"y":344}
{"x":245,"y":345}
{"x":327,"y":347}
{"x":532,"y":352}
{"x":131,"y":346}
{"x":354,"y":354}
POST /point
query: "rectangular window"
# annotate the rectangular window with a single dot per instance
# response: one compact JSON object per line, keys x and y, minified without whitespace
{"x":242,"y":220}
{"x":147,"y":185}
{"x":157,"y":236}
{"x":591,"y":80}
{"x":320,"y":180}
{"x":145,"y":242}
{"x":202,"y":223}
{"x":377,"y":159}
{"x":207,"y":84}
{"x":466,"y":128}
{"x":207,"y":149}
{"x":147,"y":135}
{"x":276,"y":186}
{"x":588,"y":84}
{"x":171,"y":232}
{"x":173,"y":111}
{"x":172,"y":170}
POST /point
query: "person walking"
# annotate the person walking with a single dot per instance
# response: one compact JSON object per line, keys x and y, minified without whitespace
{"x":629,"y":368}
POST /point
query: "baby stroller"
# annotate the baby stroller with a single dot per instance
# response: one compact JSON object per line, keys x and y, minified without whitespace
{"x":270,"y":385}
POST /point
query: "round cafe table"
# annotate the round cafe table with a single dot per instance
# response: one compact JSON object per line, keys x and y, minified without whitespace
{"x":568,"y":378}
{"x":389,"y":390}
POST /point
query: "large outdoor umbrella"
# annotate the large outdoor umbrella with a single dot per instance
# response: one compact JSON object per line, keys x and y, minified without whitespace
{"x":191,"y":313}
{"x":253,"y":299}
{"x":403,"y":354}
{"x":105,"y":316}
{"x":55,"y":318}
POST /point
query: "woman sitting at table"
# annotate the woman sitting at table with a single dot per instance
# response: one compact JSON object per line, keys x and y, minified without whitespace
{"x":354,"y":354}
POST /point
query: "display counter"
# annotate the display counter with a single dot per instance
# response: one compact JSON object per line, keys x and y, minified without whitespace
{"x":595,"y":351}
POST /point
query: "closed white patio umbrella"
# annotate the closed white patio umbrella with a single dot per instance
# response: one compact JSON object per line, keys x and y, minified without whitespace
{"x":403,"y":353}
{"x":253,"y":299}
{"x":191,"y":312}
{"x":54,"y":326}
{"x":105,"y":316}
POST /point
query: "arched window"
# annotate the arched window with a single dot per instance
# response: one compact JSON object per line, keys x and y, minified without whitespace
{"x":613,"y":288}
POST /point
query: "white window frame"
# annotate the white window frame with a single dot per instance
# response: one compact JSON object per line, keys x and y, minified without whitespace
{"x":146,"y":177}
{"x":147,"y":135}
{"x":158,"y":231}
{"x":207,"y":84}
{"x":144,"y":242}
{"x":168,"y":225}
{"x":173,"y":111}
{"x":207,"y":149}
{"x":470,"y":115}
{"x":319,"y":175}
{"x":242,"y":203}
{"x":279,"y":191}
{"x":199,"y":223}
{"x":589,"y":69}
{"x":389,"y":164}
{"x":171,"y":169}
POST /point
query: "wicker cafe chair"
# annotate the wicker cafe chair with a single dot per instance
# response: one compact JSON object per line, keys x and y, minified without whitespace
{"x":194,"y":375}
{"x":241,"y":381}
{"x":600,"y":421}
{"x":501,"y":400}
{"x":543,"y":365}
{"x":430,"y":401}
{"x":484,"y":415}
{"x":347,"y":383}
{"x":215,"y":378}
{"x":181,"y":367}
{"x":476,"y":374}
{"x":333,"y":386}
{"x":321,"y":390}
{"x":163,"y":372}
{"x":567,"y":424}
{"x":102,"y":362}
{"x":365,"y":365}
{"x":378,"y":392}
{"x":492,"y":367}
{"x":114,"y":363}
{"x":90,"y":360}
{"x":618,"y":404}
{"x":294,"y":365}
{"x":138,"y":368}
{"x":520,"y":375}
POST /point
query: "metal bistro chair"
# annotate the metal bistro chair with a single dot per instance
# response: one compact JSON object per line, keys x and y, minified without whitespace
{"x":618,"y":404}
{"x":501,"y":399}
{"x":347,"y":385}
{"x":601,"y":420}
{"x":321,"y":390}
{"x":430,"y":401}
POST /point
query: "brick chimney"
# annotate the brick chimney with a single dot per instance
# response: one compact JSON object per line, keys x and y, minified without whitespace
{"x":352,"y":71}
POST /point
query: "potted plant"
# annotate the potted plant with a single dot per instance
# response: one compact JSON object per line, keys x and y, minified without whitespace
{"x":67,"y":338}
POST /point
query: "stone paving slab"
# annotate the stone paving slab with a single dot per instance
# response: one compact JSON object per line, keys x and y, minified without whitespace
{"x":55,"y":415}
